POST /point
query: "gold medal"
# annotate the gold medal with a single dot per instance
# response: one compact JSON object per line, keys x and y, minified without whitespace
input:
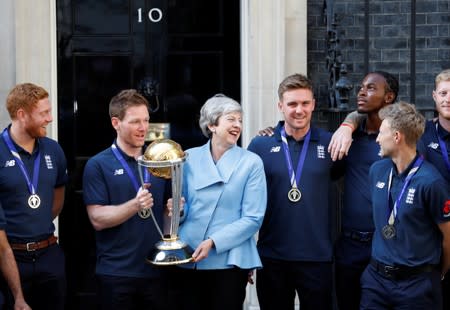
{"x":294,"y":194}
{"x":144,"y":213}
{"x":34,"y":201}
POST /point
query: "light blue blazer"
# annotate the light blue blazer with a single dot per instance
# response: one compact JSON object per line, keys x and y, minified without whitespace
{"x":225,"y":202}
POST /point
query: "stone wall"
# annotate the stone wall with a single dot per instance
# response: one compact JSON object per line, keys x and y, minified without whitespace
{"x":377,"y":35}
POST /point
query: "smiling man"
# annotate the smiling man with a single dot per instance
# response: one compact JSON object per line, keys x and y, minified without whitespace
{"x":435,"y":143}
{"x":295,"y":242}
{"x":118,"y":205}
{"x":32,"y":179}
{"x":411,"y":243}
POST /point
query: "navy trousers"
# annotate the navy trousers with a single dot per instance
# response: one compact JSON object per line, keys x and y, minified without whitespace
{"x":417,"y":292}
{"x":278,"y":281}
{"x":352,"y":258}
{"x":119,"y":293}
{"x":42,"y":274}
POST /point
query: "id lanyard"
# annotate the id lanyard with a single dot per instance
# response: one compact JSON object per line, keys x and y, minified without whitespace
{"x":443,"y":149}
{"x":34,"y":200}
{"x":294,"y":194}
{"x":128,"y":169}
{"x":411,"y":173}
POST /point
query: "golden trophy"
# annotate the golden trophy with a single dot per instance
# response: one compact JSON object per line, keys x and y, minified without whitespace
{"x":164,"y":158}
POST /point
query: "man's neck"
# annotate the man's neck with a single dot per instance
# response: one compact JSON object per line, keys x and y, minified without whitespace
{"x":445,"y":123}
{"x":297,"y":134}
{"x":373,"y":123}
{"x":21,"y":137}
{"x":129,"y":150}
{"x":404,"y":158}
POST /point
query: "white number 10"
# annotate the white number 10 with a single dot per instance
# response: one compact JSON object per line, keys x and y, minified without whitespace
{"x":154,"y":15}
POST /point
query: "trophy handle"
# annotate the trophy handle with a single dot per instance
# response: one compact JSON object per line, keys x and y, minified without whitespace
{"x":141,"y":177}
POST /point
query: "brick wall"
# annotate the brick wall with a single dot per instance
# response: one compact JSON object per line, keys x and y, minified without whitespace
{"x":391,"y":45}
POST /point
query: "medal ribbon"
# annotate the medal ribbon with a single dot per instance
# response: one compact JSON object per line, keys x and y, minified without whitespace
{"x":443,"y":149}
{"x":411,"y":173}
{"x":32,"y":186}
{"x":295,"y":176}
{"x":128,"y":169}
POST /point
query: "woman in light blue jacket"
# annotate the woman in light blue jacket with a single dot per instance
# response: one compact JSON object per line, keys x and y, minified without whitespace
{"x":225,"y":200}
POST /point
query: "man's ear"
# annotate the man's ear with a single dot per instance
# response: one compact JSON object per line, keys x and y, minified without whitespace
{"x":398,"y":136}
{"x":280,"y":106}
{"x":20,"y":113}
{"x":115,"y":122}
{"x":389,"y":97}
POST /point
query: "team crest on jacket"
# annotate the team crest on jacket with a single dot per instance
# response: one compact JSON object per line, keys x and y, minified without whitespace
{"x":321,"y":151}
{"x":410,"y":196}
{"x":48,"y":161}
{"x":446,"y":209}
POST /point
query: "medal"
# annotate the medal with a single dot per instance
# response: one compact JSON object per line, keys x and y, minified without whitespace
{"x":294,"y":194}
{"x":34,"y":201}
{"x":144,"y":213}
{"x":388,"y":231}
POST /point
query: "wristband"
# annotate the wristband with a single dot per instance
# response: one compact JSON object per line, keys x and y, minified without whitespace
{"x":348,"y":125}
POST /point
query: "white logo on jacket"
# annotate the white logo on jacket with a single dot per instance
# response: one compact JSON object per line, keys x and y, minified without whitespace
{"x":10,"y":163}
{"x":433,"y":145}
{"x":118,"y":171}
{"x":410,"y":196}
{"x":380,"y":184}
{"x":321,"y":151}
{"x":275,"y":149}
{"x":48,"y":162}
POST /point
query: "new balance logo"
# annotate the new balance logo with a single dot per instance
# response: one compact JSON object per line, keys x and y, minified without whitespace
{"x":433,"y":145}
{"x":10,"y":163}
{"x":118,"y":172}
{"x":275,"y":149}
{"x":380,"y":184}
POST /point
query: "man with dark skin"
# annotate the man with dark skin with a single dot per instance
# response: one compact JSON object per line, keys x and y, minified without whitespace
{"x":353,"y":249}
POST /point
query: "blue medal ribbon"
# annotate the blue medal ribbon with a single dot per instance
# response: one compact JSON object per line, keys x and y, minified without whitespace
{"x":295,"y":176}
{"x":128,"y":169}
{"x":443,"y":149}
{"x":418,"y":162}
{"x":32,"y":186}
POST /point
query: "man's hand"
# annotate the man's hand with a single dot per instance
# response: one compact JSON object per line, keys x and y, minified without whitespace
{"x":20,"y":304}
{"x":340,"y":142}
{"x":266,"y":132}
{"x":144,"y":198}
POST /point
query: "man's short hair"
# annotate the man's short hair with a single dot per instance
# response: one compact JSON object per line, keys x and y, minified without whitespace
{"x":404,"y":117}
{"x":292,"y":82}
{"x":24,"y":96}
{"x":123,"y":100}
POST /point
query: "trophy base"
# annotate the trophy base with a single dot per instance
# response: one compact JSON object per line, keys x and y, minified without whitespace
{"x":170,"y":252}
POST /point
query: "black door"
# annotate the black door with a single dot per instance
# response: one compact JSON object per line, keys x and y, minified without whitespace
{"x":176,"y":52}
